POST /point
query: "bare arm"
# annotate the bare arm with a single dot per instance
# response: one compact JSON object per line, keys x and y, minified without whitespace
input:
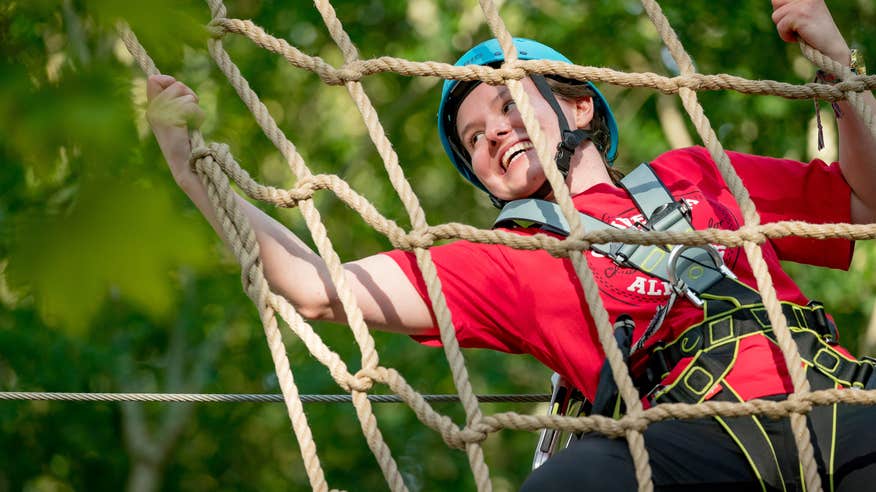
{"x":383,"y":292}
{"x":811,"y":21}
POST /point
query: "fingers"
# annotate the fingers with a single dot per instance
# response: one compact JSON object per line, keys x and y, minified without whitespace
{"x":785,"y":16}
{"x":167,"y":87}
{"x":172,"y":103}
{"x":157,"y":83}
{"x":809,"y":21}
{"x":786,"y":28}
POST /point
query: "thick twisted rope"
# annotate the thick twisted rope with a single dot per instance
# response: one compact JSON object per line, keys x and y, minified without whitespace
{"x":213,"y":162}
{"x":605,"y":332}
{"x":306,"y":188}
{"x":357,"y":70}
{"x":417,"y":217}
{"x":337,"y":274}
{"x":235,"y":229}
{"x":753,"y":251}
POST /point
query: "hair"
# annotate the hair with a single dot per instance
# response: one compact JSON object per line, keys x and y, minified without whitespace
{"x":598,"y":127}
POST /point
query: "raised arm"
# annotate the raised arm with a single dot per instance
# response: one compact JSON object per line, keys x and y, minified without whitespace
{"x":383,"y":292}
{"x":810,"y":21}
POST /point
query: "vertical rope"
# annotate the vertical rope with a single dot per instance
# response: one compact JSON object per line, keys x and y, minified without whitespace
{"x":635,"y":439}
{"x":240,"y":236}
{"x":338,"y":276}
{"x":752,"y":250}
{"x":417,"y":217}
{"x":856,"y":99}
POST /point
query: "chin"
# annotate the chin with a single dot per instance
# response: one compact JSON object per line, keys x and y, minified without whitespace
{"x":509,"y":195}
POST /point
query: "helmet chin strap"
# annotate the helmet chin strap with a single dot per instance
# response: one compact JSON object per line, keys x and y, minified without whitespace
{"x":569,"y":141}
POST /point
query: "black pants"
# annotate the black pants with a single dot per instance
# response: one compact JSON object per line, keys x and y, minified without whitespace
{"x":698,"y":455}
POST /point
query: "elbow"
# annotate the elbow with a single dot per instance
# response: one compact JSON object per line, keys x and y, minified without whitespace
{"x":308,"y":298}
{"x":315,"y":311}
{"x":297,"y":282}
{"x":863,"y":212}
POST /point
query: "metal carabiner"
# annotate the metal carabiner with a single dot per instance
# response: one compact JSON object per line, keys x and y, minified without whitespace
{"x":672,"y":267}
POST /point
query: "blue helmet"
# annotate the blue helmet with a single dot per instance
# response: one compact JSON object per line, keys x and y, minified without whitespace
{"x":490,"y":53}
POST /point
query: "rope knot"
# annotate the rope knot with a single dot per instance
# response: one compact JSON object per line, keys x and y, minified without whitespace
{"x":513,"y":71}
{"x":420,"y":238}
{"x":752,"y":234}
{"x":800,"y":403}
{"x":361,"y":381}
{"x":218,"y":151}
{"x":304,"y":189}
{"x":349,"y":72}
{"x":474,"y":434}
{"x":217,"y":28}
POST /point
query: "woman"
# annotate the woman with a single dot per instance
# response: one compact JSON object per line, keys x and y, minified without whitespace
{"x":525,"y":301}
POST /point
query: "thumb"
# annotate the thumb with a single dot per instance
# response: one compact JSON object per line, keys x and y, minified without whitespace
{"x":155,"y":84}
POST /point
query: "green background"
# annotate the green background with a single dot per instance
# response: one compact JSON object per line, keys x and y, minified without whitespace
{"x":110,"y":280}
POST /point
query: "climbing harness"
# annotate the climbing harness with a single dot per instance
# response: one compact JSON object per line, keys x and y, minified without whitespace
{"x":732,"y":311}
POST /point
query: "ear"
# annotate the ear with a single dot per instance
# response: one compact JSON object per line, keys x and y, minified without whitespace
{"x":583,"y":111}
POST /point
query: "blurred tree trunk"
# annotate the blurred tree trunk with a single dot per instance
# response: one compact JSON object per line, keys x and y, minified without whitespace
{"x":150,"y":447}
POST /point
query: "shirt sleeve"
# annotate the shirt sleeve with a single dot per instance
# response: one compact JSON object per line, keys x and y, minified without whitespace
{"x":784,"y":190}
{"x":480,"y":288}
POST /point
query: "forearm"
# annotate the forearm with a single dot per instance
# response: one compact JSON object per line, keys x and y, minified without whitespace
{"x":810,"y":21}
{"x":386,"y":298}
{"x":291,"y":268}
{"x":382,"y":291}
{"x":857,"y":157}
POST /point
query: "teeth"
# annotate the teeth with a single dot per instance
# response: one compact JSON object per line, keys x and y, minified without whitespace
{"x":514,"y":151}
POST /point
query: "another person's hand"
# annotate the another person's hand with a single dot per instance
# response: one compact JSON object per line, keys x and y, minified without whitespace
{"x":810,"y":21}
{"x":172,"y":109}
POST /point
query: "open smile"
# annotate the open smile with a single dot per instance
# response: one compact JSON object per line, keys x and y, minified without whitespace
{"x":515,"y":151}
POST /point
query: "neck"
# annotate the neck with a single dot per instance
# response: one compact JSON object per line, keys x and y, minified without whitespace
{"x":586,"y":170}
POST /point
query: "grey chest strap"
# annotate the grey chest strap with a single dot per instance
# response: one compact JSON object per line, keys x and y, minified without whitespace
{"x":694,"y":268}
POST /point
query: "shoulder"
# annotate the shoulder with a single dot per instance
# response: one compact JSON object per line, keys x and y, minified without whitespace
{"x":685,"y":160}
{"x":459,"y":258}
{"x":691,"y":165}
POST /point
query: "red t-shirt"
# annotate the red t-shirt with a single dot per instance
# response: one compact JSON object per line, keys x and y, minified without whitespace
{"x":523,"y":301}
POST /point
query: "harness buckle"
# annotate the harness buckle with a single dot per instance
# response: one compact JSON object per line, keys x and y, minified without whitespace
{"x":650,"y":397}
{"x":825,"y":328}
{"x":664,"y":211}
{"x":620,"y":259}
{"x":866,"y":372}
{"x":656,"y":368}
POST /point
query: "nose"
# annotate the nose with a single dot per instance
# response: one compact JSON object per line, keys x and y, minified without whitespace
{"x":497,"y":129}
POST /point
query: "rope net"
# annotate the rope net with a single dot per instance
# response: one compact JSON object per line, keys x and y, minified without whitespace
{"x":216,"y":167}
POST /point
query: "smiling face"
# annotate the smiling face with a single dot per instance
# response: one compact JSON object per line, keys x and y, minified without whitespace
{"x":501,"y":153}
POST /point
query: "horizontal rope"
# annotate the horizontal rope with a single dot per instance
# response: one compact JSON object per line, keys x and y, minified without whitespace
{"x":359,"y":69}
{"x":254,"y":397}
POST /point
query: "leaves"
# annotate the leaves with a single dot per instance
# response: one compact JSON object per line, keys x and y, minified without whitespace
{"x":106,"y":259}
{"x":121,"y":237}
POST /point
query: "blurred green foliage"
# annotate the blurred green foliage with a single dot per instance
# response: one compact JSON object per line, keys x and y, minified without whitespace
{"x":110,"y":281}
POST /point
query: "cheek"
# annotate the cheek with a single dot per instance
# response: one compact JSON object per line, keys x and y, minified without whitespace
{"x":479,"y":162}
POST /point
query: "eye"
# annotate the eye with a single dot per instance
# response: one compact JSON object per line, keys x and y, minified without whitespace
{"x":474,"y":138}
{"x":509,"y":106}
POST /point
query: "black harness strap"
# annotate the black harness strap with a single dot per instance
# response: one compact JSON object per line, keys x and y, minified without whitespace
{"x":732,"y":311}
{"x":569,"y":139}
{"x":756,"y":445}
{"x":827,"y":366}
